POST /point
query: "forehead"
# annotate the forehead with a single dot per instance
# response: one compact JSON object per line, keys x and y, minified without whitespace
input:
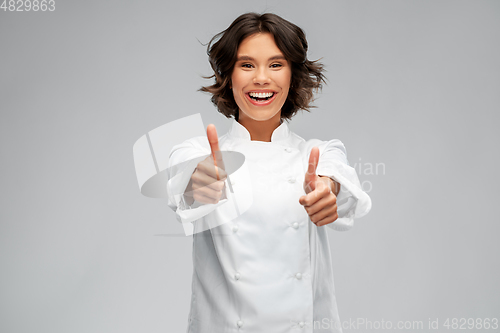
{"x":260,"y":44}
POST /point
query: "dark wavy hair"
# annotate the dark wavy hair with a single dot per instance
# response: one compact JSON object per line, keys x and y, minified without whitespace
{"x":222,"y":50}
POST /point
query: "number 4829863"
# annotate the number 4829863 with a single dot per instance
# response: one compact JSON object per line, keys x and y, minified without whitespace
{"x":28,"y":5}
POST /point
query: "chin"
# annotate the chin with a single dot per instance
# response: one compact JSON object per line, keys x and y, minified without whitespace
{"x":261,"y":117}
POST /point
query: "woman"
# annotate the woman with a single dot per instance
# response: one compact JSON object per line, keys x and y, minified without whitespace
{"x":267,"y":267}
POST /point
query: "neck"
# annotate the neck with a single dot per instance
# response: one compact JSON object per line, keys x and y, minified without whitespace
{"x":260,"y":130}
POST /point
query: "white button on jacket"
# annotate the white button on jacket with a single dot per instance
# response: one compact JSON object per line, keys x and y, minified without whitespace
{"x":250,"y":274}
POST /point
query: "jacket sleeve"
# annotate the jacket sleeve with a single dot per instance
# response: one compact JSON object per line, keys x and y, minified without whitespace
{"x":183,"y":160}
{"x":352,"y":201}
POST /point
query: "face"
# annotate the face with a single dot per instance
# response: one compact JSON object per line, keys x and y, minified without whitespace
{"x":261,"y":78}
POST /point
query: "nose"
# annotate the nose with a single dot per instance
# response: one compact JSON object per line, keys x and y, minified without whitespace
{"x":261,"y":76}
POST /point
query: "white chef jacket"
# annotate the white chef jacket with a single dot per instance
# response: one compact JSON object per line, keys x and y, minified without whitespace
{"x":260,"y":264}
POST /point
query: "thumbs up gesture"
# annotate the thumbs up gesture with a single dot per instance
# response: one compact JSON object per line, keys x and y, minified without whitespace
{"x":319,"y":202}
{"x":207,"y":181}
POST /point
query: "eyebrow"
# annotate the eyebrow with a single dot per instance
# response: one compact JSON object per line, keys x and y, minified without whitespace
{"x":276,"y":57}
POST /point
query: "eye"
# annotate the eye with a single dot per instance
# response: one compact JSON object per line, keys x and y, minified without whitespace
{"x":246,"y":65}
{"x":276,"y":65}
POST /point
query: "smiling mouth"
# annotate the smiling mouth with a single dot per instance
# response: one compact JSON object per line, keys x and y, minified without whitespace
{"x":261,"y":97}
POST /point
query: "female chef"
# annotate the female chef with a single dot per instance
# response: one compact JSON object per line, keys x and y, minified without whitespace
{"x":267,"y":268}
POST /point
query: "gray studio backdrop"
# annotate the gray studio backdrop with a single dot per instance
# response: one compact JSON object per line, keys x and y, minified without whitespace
{"x":413,"y":92}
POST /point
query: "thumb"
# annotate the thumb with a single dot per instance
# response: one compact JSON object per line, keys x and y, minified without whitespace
{"x":310,"y":177}
{"x":213,"y":140}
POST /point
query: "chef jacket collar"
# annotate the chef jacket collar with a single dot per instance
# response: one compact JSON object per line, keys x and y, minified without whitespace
{"x":280,"y":134}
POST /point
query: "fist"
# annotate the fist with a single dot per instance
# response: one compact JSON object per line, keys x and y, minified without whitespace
{"x":207,"y":181}
{"x":319,"y":202}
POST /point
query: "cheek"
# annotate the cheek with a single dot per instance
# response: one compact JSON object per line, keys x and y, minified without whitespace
{"x":237,"y":89}
{"x":238,"y":77}
{"x":286,"y":85}
{"x":287,"y":81}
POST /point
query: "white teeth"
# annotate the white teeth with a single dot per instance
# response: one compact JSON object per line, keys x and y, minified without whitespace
{"x":261,"y":95}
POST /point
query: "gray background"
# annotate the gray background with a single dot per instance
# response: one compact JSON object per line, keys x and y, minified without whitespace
{"x":412,"y":84}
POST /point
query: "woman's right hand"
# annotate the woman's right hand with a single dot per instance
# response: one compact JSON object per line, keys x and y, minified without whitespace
{"x":207,"y":181}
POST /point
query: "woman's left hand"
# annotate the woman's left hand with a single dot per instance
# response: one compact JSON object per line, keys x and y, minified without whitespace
{"x":319,"y":202}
